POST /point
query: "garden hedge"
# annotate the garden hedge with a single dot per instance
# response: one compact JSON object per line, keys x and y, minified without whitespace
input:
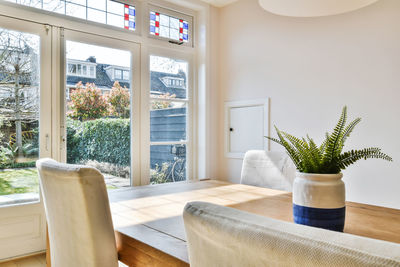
{"x":103,"y":140}
{"x":29,"y":164}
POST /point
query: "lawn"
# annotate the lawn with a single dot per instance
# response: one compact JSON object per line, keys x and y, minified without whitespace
{"x":19,"y":181}
{"x":15,"y":181}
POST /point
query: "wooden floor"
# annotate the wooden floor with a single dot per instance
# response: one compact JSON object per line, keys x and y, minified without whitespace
{"x":34,"y":261}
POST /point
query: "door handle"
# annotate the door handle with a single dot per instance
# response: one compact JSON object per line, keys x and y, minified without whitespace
{"x":47,"y":142}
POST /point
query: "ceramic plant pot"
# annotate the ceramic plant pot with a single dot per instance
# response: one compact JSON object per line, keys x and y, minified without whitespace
{"x":319,"y":200}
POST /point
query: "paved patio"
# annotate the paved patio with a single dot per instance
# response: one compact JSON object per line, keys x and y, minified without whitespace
{"x":116,"y":181}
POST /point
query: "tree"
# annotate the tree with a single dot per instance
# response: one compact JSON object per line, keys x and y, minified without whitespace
{"x":1,"y":125}
{"x":19,"y":79}
{"x":87,"y":102}
{"x":119,"y":99}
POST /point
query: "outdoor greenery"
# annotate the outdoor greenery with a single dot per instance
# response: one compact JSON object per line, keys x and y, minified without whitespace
{"x":119,"y":99}
{"x":9,"y":152}
{"x":87,"y":102}
{"x":19,"y":81}
{"x":109,"y":168}
{"x":17,"y":165}
{"x":159,"y":174}
{"x":103,"y":140}
{"x":98,"y":123}
{"x":328,"y":157}
{"x":19,"y":181}
{"x":162,"y":104}
{"x":1,"y":125}
{"x":8,"y":155}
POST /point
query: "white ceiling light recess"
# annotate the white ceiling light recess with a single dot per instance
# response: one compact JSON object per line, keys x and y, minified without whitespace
{"x":313,"y":8}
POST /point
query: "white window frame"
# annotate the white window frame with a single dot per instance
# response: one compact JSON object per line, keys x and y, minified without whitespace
{"x":198,"y":51}
{"x":87,"y":8}
{"x":171,"y":13}
{"x":146,"y":101}
{"x":26,"y":223}
{"x":134,"y":48}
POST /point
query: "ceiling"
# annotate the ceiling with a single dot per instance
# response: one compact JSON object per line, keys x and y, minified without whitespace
{"x":304,"y":8}
{"x":219,"y":3}
{"x":313,"y":8}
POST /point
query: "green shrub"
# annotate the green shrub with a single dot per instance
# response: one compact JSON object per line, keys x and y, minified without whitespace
{"x":109,"y":168}
{"x":103,"y":140}
{"x":120,"y":100}
{"x":87,"y":102}
{"x":29,"y":164}
{"x":159,"y":175}
{"x":8,"y":154}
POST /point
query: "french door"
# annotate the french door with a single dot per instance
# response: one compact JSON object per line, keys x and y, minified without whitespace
{"x":25,"y":123}
{"x":134,"y":125}
{"x":100,"y":120}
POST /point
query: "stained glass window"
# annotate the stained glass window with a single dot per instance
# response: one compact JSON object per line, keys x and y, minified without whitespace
{"x":102,"y":11}
{"x":169,"y":27}
{"x":129,"y":17}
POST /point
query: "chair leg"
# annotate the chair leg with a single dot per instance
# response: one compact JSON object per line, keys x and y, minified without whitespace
{"x":48,"y":259}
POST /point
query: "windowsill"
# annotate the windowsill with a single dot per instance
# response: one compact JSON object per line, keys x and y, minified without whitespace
{"x":14,"y":199}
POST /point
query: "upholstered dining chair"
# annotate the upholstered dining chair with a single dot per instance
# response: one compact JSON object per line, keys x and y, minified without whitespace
{"x":222,"y":236}
{"x":78,"y":215}
{"x":272,"y":169}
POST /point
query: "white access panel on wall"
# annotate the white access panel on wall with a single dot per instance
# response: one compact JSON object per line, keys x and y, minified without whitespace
{"x":246,"y":124}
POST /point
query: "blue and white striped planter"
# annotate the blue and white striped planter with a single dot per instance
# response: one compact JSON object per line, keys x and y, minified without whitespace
{"x":319,"y":200}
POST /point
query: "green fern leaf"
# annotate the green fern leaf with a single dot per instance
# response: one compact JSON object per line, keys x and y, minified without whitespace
{"x":335,"y":137}
{"x":328,"y":157}
{"x":350,"y":157}
{"x":302,"y":148}
{"x":292,"y":152}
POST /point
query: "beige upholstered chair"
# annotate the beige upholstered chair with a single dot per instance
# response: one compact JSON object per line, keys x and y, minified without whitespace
{"x":78,"y":214}
{"x":271,"y":169}
{"x":222,"y":236}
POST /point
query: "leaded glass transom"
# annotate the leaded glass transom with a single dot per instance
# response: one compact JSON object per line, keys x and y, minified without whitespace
{"x":102,"y":11}
{"x":169,"y":27}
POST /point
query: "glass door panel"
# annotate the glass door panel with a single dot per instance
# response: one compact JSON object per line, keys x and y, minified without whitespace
{"x":25,"y":127}
{"x":19,"y":116}
{"x":168,"y":119}
{"x":98,"y":110}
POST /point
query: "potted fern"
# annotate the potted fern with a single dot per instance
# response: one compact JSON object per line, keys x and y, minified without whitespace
{"x":318,"y":189}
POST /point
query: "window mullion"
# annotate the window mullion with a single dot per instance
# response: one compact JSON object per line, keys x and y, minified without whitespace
{"x":152,"y":98}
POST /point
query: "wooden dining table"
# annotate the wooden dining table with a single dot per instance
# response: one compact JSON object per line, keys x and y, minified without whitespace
{"x":149,"y":225}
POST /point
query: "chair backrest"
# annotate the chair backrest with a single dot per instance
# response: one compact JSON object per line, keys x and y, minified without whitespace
{"x":78,"y":215}
{"x":222,"y":236}
{"x":272,"y":169}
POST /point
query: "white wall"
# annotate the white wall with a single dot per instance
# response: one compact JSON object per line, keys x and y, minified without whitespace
{"x":311,"y":68}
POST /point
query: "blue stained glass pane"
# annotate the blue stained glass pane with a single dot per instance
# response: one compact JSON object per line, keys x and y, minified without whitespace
{"x":131,"y":24}
{"x":152,"y":16}
{"x":185,"y":25}
{"x":185,"y":37}
{"x":132,"y":12}
{"x":152,"y":28}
